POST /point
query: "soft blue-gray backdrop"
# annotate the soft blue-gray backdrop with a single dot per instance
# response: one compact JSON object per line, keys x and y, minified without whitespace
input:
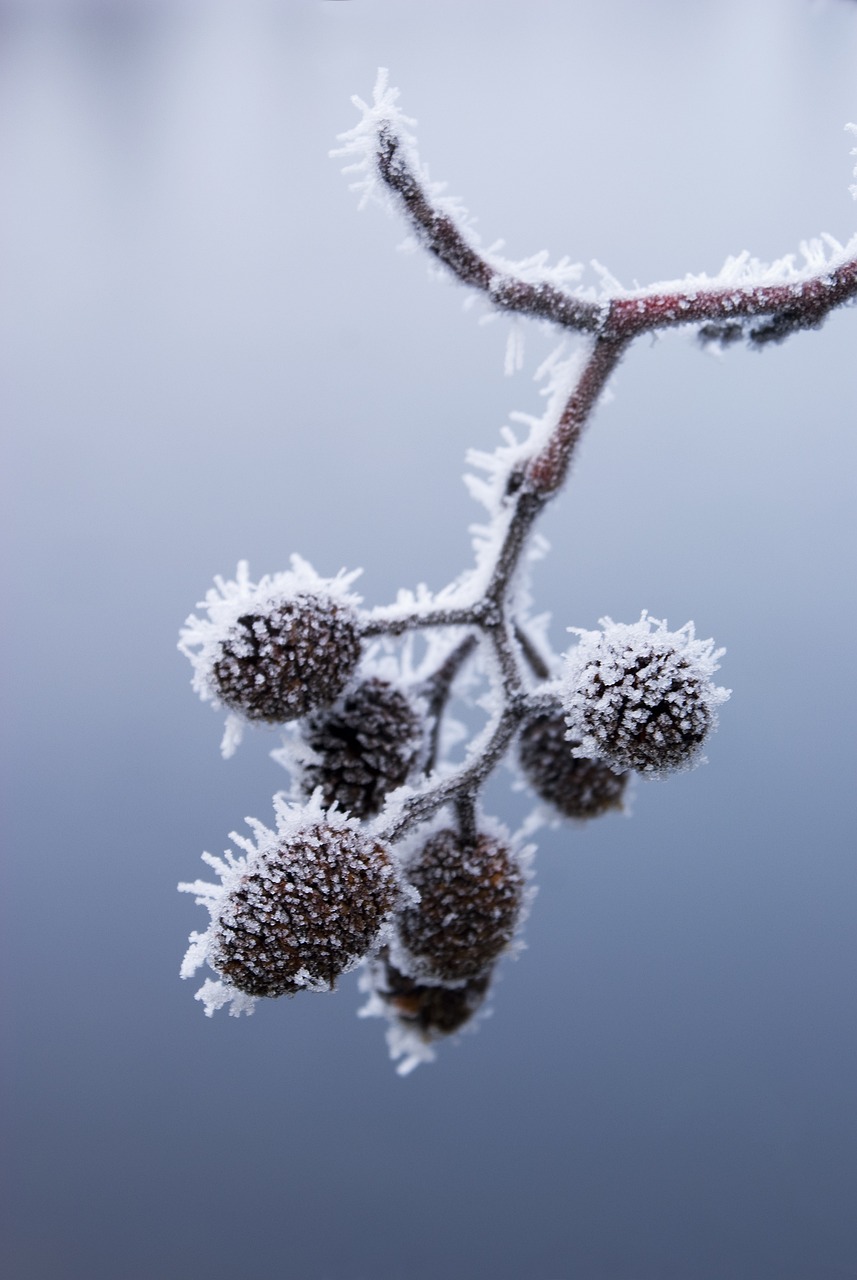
{"x":208,"y":354}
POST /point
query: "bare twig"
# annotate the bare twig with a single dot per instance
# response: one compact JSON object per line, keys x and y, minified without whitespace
{"x":536,"y":662}
{"x":438,"y":232}
{"x":763,"y":312}
{"x":436,"y":691}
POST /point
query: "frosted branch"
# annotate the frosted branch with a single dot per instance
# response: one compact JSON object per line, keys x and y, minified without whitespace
{"x":386,"y":856}
{"x":747,"y":299}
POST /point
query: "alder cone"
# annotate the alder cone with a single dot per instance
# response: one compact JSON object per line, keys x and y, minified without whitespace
{"x":306,"y":911}
{"x":366,"y":746}
{"x":282,"y":662}
{"x":656,"y":721}
{"x":638,"y":696}
{"x":434,"y":1010}
{"x":470,"y":900}
{"x":577,"y":788}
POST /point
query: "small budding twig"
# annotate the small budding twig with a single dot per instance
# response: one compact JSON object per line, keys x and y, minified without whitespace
{"x":436,"y":691}
{"x":536,"y":662}
{"x":633,"y":697}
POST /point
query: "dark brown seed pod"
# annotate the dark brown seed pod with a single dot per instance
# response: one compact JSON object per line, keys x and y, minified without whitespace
{"x":470,"y":899}
{"x":641,"y":697}
{"x":577,"y":788}
{"x":366,"y":746}
{"x":646,"y":730}
{"x":282,"y":661}
{"x":433,"y":1010}
{"x":306,"y":910}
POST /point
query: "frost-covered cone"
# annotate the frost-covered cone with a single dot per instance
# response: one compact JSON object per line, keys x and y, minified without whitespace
{"x":362,"y":748}
{"x":432,"y":1009}
{"x":470,"y":902}
{"x":274,"y":650}
{"x":578,"y":788}
{"x":419,"y":1013}
{"x":303,"y":905}
{"x":638,"y":696}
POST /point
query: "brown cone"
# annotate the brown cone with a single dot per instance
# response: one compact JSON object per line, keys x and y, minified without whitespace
{"x":367,"y":745}
{"x":279,"y":664}
{"x":470,"y":899}
{"x":307,"y":910}
{"x":433,"y":1010}
{"x":578,"y":788}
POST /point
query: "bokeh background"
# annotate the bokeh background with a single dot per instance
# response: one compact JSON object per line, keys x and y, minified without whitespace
{"x":207,"y":354}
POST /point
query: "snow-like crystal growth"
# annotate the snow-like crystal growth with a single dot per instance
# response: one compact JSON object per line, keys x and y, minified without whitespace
{"x":360,"y":144}
{"x":303,"y":904}
{"x":743,"y":271}
{"x":383,"y":119}
{"x":639,"y":696}
{"x":272,"y":651}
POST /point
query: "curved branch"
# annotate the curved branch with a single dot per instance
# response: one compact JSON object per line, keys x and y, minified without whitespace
{"x":438,"y":232}
{"x":761,"y":312}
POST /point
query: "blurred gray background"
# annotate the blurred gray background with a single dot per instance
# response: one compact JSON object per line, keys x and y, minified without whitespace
{"x":207,"y":354}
